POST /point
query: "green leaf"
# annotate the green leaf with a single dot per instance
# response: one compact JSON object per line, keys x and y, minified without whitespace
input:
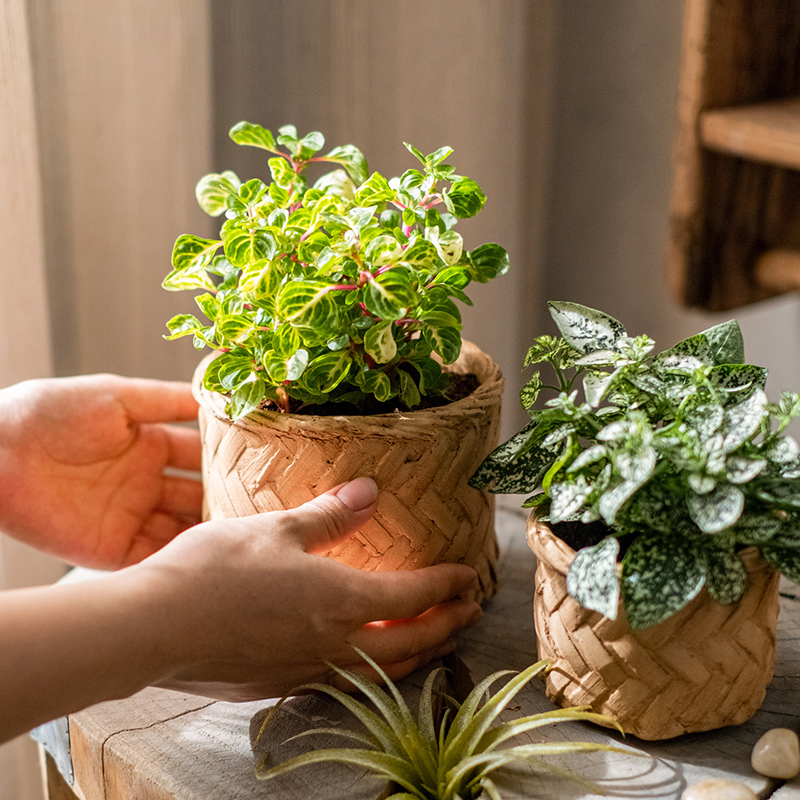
{"x":784,"y":560}
{"x":740,"y":470}
{"x":375,"y":382}
{"x":660,"y":575}
{"x":249,"y":134}
{"x":422,"y":254}
{"x":282,"y":173}
{"x":308,"y":304}
{"x":352,"y":159}
{"x":246,"y":398}
{"x":726,"y":576}
{"x":488,"y":261}
{"x":409,"y":393}
{"x":212,"y":191}
{"x":191,"y":253}
{"x":696,"y":347}
{"x":445,"y":341}
{"x":726,"y":342}
{"x":183,"y":325}
{"x":465,"y":198}
{"x":716,"y":510}
{"x":383,"y":250}
{"x":733,"y":378}
{"x":374,"y":191}
{"x":530,"y":391}
{"x":380,"y":343}
{"x":390,"y":294}
{"x":327,"y":371}
{"x":586,"y":329}
{"x":592,"y":577}
{"x":520,"y":476}
{"x":245,"y":246}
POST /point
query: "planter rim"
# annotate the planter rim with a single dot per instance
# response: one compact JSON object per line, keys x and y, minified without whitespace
{"x":543,"y":542}
{"x":491,"y":386}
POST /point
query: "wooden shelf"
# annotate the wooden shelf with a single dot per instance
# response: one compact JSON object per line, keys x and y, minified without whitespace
{"x":779,"y":270}
{"x":767,"y":132}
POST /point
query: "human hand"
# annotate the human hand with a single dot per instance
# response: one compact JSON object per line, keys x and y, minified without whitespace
{"x":251,"y":611}
{"x":82,"y":466}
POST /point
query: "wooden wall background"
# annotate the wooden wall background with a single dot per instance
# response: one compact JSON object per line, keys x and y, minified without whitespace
{"x":110,"y":110}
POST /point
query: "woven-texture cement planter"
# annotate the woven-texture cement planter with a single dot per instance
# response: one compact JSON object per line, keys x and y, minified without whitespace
{"x":421,"y":461}
{"x":703,"y":668}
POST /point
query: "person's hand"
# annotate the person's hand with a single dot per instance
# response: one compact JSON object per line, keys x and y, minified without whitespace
{"x":253,"y":612}
{"x":82,"y":466}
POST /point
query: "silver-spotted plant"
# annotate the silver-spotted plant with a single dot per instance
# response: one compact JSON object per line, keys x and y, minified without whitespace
{"x":452,"y":759}
{"x":679,"y":452}
{"x":336,"y":292}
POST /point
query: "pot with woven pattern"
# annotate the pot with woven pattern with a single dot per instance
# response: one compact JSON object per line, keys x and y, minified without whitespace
{"x":705,"y":667}
{"x":667,"y":503}
{"x":421,"y":460}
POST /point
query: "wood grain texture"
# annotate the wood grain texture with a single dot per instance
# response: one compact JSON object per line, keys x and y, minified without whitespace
{"x":157,"y":746}
{"x":733,"y":196}
{"x":768,"y":132}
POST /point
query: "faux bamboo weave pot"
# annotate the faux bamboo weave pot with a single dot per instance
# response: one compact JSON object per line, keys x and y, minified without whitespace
{"x":421,"y":461}
{"x":703,"y":668}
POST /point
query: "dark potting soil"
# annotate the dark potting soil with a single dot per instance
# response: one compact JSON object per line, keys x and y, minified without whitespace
{"x":460,"y":386}
{"x":579,"y":535}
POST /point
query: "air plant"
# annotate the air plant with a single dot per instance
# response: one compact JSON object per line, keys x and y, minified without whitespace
{"x":449,"y":760}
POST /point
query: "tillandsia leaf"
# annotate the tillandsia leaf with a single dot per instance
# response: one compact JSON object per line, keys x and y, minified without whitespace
{"x":660,"y":575}
{"x":718,"y":509}
{"x":726,"y":343}
{"x":726,"y":576}
{"x":586,"y":329}
{"x":394,"y":768}
{"x":592,"y":577}
{"x":469,"y":725}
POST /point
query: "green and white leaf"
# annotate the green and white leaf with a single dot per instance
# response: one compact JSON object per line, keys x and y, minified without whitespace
{"x":567,"y":498}
{"x":586,"y":329}
{"x":726,"y":343}
{"x":592,"y":577}
{"x":726,"y":576}
{"x":308,"y":304}
{"x":743,"y":420}
{"x":380,"y":343}
{"x":212,"y":191}
{"x":717,"y":510}
{"x":739,"y":469}
{"x":660,"y":575}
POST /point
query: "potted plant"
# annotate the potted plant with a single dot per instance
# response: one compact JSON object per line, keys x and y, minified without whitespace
{"x":330,"y":308}
{"x":669,"y":503}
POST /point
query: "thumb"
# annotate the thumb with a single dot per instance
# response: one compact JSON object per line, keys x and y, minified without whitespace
{"x":328,"y":519}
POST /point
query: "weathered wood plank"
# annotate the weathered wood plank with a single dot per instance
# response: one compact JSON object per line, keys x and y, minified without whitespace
{"x":160,"y":745}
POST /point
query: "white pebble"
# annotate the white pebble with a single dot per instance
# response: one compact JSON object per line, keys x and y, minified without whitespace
{"x":719,"y":789}
{"x":777,"y":754}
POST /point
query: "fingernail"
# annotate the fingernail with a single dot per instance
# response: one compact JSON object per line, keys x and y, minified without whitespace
{"x":358,"y":494}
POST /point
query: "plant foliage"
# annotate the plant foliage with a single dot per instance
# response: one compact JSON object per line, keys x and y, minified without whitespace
{"x":680,"y":450}
{"x":339,"y":291}
{"x":451,"y":761}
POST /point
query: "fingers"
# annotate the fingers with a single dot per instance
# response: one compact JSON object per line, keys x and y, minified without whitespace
{"x":409,"y":640}
{"x":156,"y":401}
{"x":182,"y":497}
{"x":184,"y":448}
{"x":328,"y":519}
{"x":407,"y":594}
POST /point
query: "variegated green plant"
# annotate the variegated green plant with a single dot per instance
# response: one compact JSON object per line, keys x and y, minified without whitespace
{"x":338,"y":292}
{"x":680,"y":451}
{"x":451,"y":761}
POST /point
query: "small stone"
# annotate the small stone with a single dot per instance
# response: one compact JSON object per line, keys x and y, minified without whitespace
{"x":719,"y":789}
{"x":777,"y":754}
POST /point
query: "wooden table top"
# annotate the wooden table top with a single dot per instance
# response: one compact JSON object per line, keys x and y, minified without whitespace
{"x":162,"y":745}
